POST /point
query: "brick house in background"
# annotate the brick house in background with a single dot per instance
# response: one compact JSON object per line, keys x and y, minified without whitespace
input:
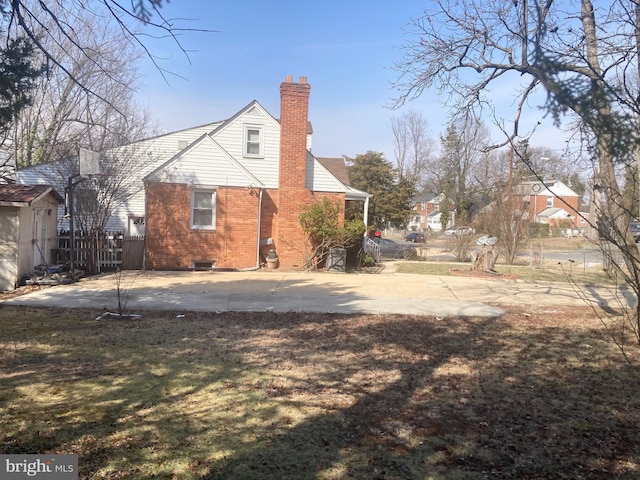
{"x":236,"y":193}
{"x":551,"y":202}
{"x":426,"y":213}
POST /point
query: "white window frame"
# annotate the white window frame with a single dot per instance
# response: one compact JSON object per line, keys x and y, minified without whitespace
{"x":212,"y":192}
{"x":549,"y":201}
{"x":245,"y":143}
{"x":134,"y":220}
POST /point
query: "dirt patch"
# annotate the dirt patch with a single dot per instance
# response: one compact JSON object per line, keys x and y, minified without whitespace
{"x":6,"y":295}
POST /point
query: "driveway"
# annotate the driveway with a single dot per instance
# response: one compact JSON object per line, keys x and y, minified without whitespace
{"x":280,"y":291}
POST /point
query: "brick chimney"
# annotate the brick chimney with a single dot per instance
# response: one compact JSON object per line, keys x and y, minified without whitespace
{"x":294,"y":115}
{"x":293,"y":196}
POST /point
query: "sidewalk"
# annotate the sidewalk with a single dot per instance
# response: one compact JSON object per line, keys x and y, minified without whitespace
{"x":280,"y":291}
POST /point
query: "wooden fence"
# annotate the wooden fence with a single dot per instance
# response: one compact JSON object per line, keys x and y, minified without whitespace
{"x":110,"y":251}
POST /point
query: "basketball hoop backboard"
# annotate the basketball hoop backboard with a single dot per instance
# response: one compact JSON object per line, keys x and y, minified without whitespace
{"x":89,"y":163}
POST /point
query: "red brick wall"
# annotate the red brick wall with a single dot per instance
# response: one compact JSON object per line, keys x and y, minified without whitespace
{"x":172,"y":244}
{"x":290,"y":241}
{"x":570,"y":206}
{"x":538,"y":203}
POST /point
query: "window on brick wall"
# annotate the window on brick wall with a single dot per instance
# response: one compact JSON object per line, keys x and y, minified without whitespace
{"x":203,"y":209}
{"x":253,"y":141}
{"x":550,"y":201}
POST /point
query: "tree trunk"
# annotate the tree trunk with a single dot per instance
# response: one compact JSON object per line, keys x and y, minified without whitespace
{"x":485,"y":260}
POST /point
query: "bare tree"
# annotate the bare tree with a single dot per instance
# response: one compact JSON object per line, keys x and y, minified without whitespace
{"x":29,"y":17}
{"x":412,"y":144}
{"x":454,"y":171}
{"x":63,"y":116}
{"x":584,"y":58}
{"x":95,"y":198}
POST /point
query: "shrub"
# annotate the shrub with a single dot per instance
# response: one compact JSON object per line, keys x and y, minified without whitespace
{"x":323,"y":223}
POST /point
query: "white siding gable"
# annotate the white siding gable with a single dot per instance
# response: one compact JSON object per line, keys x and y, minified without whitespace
{"x":230,"y":137}
{"x":559,"y":189}
{"x":205,"y":163}
{"x":319,"y":179}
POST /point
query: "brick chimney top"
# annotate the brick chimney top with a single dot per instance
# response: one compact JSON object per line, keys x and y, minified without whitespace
{"x":289,"y":79}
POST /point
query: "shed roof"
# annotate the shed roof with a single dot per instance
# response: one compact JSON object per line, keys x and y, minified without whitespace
{"x":24,"y":195}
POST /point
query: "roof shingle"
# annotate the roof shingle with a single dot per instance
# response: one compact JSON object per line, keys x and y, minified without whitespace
{"x":26,"y":194}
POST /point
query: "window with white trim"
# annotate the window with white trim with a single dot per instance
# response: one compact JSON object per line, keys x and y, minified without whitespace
{"x":253,"y":141}
{"x":203,"y":209}
{"x":550,"y":201}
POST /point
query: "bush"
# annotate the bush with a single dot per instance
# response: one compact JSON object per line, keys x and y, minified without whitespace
{"x":322,"y":222}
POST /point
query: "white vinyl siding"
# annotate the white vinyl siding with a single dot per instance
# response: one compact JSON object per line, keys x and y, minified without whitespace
{"x":206,"y":164}
{"x":203,"y":209}
{"x":319,"y":179}
{"x":230,"y":138}
{"x":157,"y":150}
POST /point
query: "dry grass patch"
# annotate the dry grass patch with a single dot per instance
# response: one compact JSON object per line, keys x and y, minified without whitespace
{"x":551,"y":271}
{"x":318,"y":396}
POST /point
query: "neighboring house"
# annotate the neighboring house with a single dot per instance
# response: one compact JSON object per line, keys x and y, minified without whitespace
{"x":434,"y":221}
{"x":224,"y":194}
{"x":28,"y":221}
{"x":551,"y":202}
{"x":426,"y":214}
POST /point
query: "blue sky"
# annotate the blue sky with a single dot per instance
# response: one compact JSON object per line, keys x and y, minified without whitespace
{"x":346,"y":49}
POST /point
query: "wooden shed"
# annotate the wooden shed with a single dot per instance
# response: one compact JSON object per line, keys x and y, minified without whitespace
{"x":28,"y":230}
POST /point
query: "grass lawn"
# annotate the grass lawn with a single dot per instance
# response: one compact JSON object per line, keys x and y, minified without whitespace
{"x":552,"y":271}
{"x":541,"y":393}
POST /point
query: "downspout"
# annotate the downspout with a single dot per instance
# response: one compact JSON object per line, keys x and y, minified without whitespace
{"x":257,"y":266}
{"x":259,"y":229}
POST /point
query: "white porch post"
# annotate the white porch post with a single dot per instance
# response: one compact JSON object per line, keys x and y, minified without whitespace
{"x":366,"y":211}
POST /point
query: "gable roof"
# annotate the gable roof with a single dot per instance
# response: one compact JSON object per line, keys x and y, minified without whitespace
{"x":242,"y":111}
{"x":548,"y":187}
{"x":25,"y":195}
{"x":554,"y":212}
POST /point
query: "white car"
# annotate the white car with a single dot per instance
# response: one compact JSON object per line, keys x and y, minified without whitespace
{"x":460,"y":231}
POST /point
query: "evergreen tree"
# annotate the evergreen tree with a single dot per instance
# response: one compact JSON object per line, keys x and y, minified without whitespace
{"x":372,"y":173}
{"x":18,"y":72}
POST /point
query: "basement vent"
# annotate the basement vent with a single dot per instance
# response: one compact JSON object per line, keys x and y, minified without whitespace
{"x":204,"y":265}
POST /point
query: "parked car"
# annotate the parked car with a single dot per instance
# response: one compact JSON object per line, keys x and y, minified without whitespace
{"x":391,"y":249}
{"x":460,"y":231}
{"x":415,"y":237}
